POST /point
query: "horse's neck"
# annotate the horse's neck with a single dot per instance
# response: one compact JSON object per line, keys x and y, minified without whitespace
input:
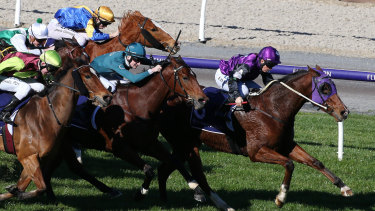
{"x":63,"y":100}
{"x":150,"y":96}
{"x":285,"y":103}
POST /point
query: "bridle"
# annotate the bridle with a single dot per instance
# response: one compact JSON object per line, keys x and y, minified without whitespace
{"x":81,"y":88}
{"x":176,"y":80}
{"x":148,"y":36}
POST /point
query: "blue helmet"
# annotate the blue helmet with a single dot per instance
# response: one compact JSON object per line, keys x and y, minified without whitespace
{"x":270,"y":55}
{"x":135,"y":50}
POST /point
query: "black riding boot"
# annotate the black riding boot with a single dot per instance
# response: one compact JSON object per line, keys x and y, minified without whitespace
{"x":6,"y":112}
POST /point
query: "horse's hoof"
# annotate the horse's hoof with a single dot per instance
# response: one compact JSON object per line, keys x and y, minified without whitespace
{"x":279,"y":203}
{"x":199,"y":197}
{"x":114,"y":194}
{"x":346,"y":191}
{"x":13,"y":189}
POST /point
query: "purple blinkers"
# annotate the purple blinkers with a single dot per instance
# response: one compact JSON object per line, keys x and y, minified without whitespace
{"x":323,"y":88}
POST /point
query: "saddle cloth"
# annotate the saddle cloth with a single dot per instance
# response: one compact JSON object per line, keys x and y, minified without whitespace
{"x":7,"y":129}
{"x":215,"y":117}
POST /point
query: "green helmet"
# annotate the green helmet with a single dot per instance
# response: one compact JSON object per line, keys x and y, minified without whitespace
{"x":52,"y":58}
{"x":136,"y":50}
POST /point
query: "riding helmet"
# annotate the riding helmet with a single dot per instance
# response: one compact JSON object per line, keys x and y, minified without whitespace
{"x":105,"y":14}
{"x":136,"y":50}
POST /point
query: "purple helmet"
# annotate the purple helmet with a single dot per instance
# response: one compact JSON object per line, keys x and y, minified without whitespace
{"x":270,"y":55}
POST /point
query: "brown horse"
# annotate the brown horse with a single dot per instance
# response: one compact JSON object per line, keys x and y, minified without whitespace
{"x":128,"y":125}
{"x":43,"y":120}
{"x":264,"y":133}
{"x":134,"y":27}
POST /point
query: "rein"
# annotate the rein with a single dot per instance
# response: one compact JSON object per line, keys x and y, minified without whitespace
{"x":176,"y":79}
{"x":147,"y":35}
{"x":66,"y":86}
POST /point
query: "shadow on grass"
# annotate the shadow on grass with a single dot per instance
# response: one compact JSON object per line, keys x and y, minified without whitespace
{"x":239,"y":200}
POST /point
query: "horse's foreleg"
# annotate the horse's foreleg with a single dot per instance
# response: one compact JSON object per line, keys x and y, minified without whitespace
{"x":300,"y":155}
{"x":124,"y":151}
{"x":196,"y":167}
{"x":158,"y":151}
{"x":77,"y":168}
{"x":14,"y":190}
{"x":32,"y":168}
{"x":267,"y":155}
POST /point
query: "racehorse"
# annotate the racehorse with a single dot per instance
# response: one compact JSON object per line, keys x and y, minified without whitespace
{"x":128,"y":125}
{"x":264,"y":133}
{"x":134,"y":27}
{"x":42,"y":121}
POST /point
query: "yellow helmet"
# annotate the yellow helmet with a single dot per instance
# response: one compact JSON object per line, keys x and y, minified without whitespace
{"x":105,"y":14}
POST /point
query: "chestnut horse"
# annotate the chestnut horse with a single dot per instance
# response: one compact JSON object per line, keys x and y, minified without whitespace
{"x":264,"y":133}
{"x":42,"y":121}
{"x":134,"y":27}
{"x":128,"y":125}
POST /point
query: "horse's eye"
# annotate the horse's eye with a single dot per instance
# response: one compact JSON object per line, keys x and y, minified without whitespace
{"x":185,"y":78}
{"x":153,"y":29}
{"x":88,"y":76}
{"x":325,"y":89}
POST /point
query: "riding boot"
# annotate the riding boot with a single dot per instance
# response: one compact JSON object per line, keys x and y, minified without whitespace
{"x":6,"y":112}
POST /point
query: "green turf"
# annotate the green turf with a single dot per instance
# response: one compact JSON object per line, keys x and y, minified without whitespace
{"x":242,"y":184}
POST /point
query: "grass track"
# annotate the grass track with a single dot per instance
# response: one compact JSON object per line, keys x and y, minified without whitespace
{"x":242,"y":184}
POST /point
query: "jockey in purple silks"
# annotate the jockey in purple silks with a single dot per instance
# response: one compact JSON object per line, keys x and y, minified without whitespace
{"x":237,"y":74}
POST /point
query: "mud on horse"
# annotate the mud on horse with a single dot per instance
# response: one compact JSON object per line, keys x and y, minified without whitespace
{"x":264,"y":134}
{"x":128,"y":125}
{"x":134,"y":27}
{"x":43,"y":120}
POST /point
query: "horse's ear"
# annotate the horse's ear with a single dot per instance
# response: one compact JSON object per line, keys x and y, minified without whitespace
{"x":312,"y":70}
{"x":318,"y":68}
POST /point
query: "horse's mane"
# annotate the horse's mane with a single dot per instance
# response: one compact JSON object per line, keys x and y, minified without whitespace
{"x":128,"y":16}
{"x":294,"y":75}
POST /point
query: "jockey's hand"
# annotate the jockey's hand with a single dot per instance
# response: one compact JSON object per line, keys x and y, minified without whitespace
{"x":155,"y":69}
{"x":238,"y":101}
{"x":44,"y":71}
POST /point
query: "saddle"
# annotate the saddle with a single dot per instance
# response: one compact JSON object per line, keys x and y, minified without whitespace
{"x":216,"y":116}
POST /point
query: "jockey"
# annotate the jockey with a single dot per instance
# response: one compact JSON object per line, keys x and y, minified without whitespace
{"x":115,"y":66}
{"x":30,"y":40}
{"x":237,"y":74}
{"x":17,"y":74}
{"x":81,"y":23}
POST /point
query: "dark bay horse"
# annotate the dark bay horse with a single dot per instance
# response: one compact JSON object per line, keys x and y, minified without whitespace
{"x":264,"y":134}
{"x":42,"y":121}
{"x":128,"y":125}
{"x":134,"y":27}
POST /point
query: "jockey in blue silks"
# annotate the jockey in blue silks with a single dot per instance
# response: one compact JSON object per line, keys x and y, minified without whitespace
{"x":237,"y":74}
{"x":81,"y":23}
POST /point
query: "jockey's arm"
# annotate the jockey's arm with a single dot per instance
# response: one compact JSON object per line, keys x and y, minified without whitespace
{"x":95,"y":34}
{"x":19,"y":42}
{"x":11,"y":64}
{"x":266,"y":77}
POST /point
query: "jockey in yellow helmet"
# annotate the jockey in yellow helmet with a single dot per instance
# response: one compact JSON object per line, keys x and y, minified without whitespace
{"x":69,"y":22}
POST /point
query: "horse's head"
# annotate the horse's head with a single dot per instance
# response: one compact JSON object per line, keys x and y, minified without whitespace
{"x":184,"y":84}
{"x":92,"y":87}
{"x":324,"y":92}
{"x":71,"y":51}
{"x":147,"y":32}
{"x":85,"y":80}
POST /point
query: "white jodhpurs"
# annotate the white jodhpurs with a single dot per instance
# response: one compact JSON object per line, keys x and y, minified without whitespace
{"x":20,"y":87}
{"x":57,"y":32}
{"x":243,"y":86}
{"x":111,"y":81}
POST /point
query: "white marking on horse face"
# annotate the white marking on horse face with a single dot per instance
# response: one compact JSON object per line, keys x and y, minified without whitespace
{"x":159,"y":26}
{"x":30,"y":137}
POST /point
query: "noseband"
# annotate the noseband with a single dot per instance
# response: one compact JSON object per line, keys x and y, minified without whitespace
{"x":176,"y":79}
